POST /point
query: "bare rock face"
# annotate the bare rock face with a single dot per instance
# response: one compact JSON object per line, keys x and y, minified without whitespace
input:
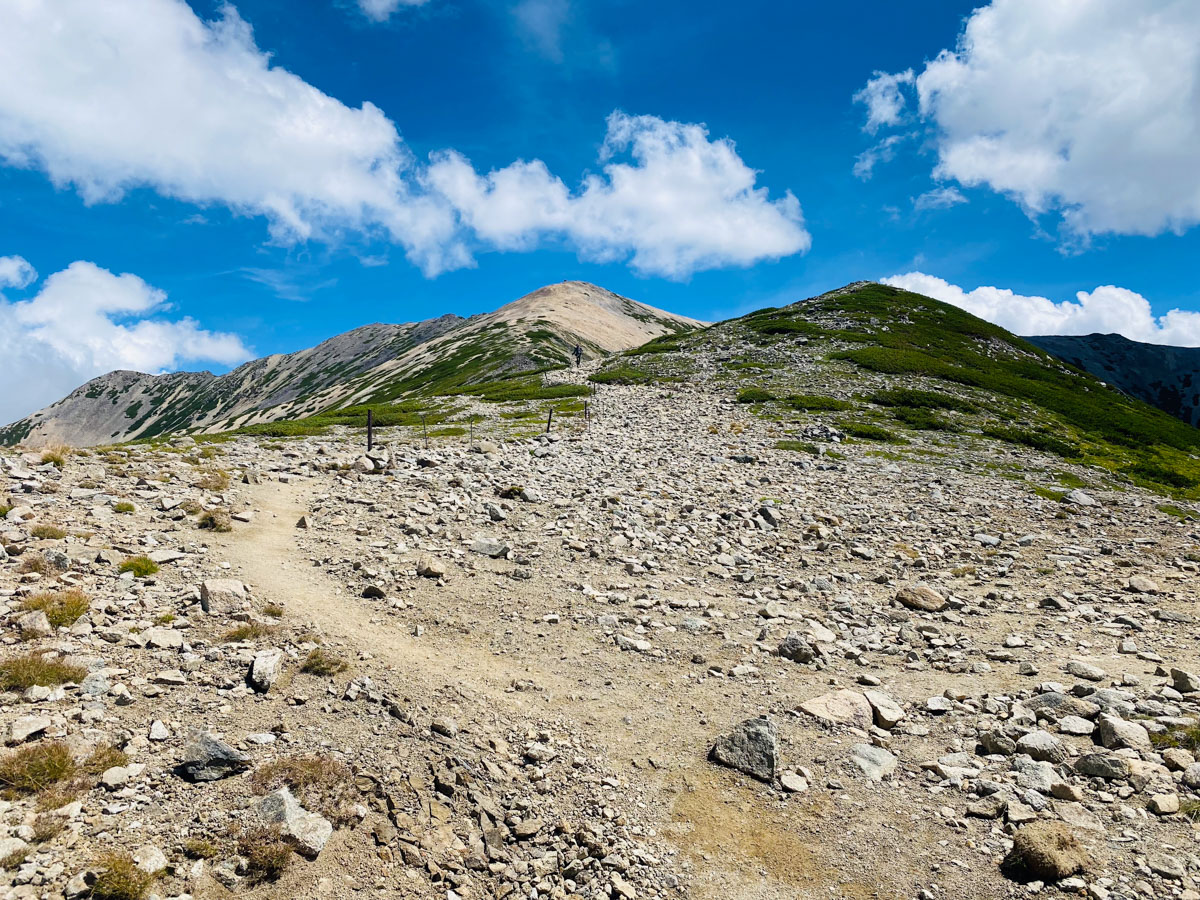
{"x":222,"y":596}
{"x":751,"y":748}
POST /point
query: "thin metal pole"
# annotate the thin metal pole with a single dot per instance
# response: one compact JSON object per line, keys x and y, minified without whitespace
{"x":370,"y":430}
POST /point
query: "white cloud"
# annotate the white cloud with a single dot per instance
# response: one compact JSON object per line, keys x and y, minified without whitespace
{"x":1088,"y":109}
{"x":86,"y":321}
{"x":939,"y":198}
{"x":16,"y":272}
{"x":883,"y":99}
{"x":542,"y":22}
{"x":882,"y":152}
{"x":381,"y":10}
{"x":1107,"y":309}
{"x":109,"y":97}
{"x":683,"y":203}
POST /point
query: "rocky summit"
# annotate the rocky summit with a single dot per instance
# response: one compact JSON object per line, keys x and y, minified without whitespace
{"x":857,"y":597}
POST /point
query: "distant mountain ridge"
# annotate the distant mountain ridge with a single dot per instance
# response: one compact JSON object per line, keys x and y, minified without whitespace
{"x":374,"y":363}
{"x":1163,"y":376}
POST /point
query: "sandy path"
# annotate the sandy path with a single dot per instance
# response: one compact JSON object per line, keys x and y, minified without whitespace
{"x":736,"y":852}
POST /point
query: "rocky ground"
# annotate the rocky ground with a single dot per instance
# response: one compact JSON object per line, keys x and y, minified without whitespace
{"x":652,"y":657}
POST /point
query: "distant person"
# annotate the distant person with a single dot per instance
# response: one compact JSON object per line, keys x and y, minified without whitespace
{"x":578,"y":355}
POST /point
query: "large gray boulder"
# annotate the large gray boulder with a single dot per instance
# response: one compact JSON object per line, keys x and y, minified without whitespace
{"x":222,"y":596}
{"x":307,"y":831}
{"x":752,"y":748}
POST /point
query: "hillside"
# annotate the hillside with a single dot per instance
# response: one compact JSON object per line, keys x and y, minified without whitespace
{"x":1165,"y":377}
{"x":857,"y":598}
{"x":375,"y":363}
{"x":887,"y":365}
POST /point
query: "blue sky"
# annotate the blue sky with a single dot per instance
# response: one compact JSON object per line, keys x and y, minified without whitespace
{"x":204,"y":182}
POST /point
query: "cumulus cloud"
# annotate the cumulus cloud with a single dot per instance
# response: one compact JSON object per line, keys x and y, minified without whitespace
{"x":16,"y":272}
{"x":678,"y":203}
{"x":1089,"y":110}
{"x":85,"y":321}
{"x":105,"y":98}
{"x":1107,"y":310}
{"x":883,"y":99}
{"x":381,"y":10}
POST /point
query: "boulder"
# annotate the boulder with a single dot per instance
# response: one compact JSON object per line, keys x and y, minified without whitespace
{"x":844,"y":707}
{"x":752,"y":748}
{"x":222,"y":596}
{"x":875,"y":762}
{"x":307,"y":831}
{"x":265,"y":669}
{"x":921,"y":597}
{"x":205,"y":758}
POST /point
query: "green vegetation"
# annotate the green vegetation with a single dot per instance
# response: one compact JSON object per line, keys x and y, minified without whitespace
{"x":922,"y":419}
{"x":119,"y":878}
{"x":624,"y":374}
{"x":798,"y":447}
{"x":1187,"y":738}
{"x":124,"y":507}
{"x":62,"y":608}
{"x":1038,"y":440}
{"x":754,"y":395}
{"x":140,"y":566}
{"x":1050,"y":494}
{"x":914,"y":399}
{"x":250,"y":631}
{"x":817,"y":403}
{"x":1171,"y":509}
{"x":319,"y":781}
{"x":869,"y":432}
{"x":56,"y":456}
{"x":266,"y":852}
{"x":924,"y":337}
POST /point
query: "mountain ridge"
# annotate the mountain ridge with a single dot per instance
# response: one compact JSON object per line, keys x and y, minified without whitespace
{"x":378,"y":362}
{"x":1162,"y":375}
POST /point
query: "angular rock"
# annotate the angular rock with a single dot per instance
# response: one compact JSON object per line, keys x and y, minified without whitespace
{"x":844,"y":707}
{"x":875,"y":762}
{"x":888,"y":713}
{"x":307,"y":831}
{"x":921,"y":597}
{"x":796,"y":648}
{"x":266,"y":669}
{"x":222,"y":596}
{"x":1046,"y":850}
{"x":205,"y":758}
{"x":751,"y":748}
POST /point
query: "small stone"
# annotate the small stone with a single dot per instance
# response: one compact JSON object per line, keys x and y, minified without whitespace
{"x":921,"y":597}
{"x":205,"y":758}
{"x":266,"y":669}
{"x":876,"y":763}
{"x":1164,"y":804}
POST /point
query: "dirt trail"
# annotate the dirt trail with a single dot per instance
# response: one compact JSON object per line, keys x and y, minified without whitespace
{"x":735,"y":851}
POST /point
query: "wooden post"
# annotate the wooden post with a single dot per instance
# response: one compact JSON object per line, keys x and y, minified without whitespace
{"x":370,"y":430}
{"x":470,"y":434}
{"x":424,"y":431}
{"x":549,"y":419}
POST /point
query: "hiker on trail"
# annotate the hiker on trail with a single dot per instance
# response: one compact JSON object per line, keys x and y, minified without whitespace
{"x":578,"y":355}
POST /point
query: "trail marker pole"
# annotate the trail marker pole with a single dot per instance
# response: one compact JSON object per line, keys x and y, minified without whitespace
{"x":370,"y":430}
{"x":424,"y":431}
{"x":549,"y":420}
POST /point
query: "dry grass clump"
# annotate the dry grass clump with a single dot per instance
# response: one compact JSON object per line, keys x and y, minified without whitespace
{"x":216,"y":520}
{"x":274,"y":610}
{"x":62,"y":608}
{"x":249,"y":631}
{"x":47,"y":533}
{"x":323,"y":663}
{"x":140,"y":566}
{"x":201,"y":848}
{"x":48,"y":826}
{"x":14,"y":860}
{"x":319,"y":782}
{"x":214,"y":480}
{"x":103,"y":758}
{"x":119,"y":878}
{"x":1047,"y":851}
{"x":267,"y":853}
{"x":35,"y":768}
{"x":19,"y":673}
{"x":56,"y":454}
{"x":124,"y":507}
{"x":34,"y":563}
{"x":191,"y":507}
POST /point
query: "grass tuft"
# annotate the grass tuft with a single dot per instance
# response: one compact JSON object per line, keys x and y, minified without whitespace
{"x":140,"y":566}
{"x":319,"y":782}
{"x":119,"y":878}
{"x":35,"y":768}
{"x":47,"y":532}
{"x":62,"y":608}
{"x":322,"y":663}
{"x":267,"y":853}
{"x":19,"y":673}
